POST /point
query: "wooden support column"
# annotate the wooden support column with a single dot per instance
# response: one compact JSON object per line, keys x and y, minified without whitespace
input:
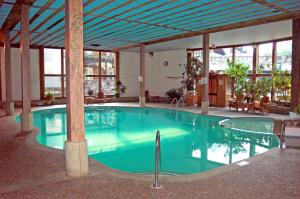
{"x":8,"y":75}
{"x":142,"y":76}
{"x":274,"y":58}
{"x":295,"y":98}
{"x":205,"y":75}
{"x":76,"y":145}
{"x":255,"y":62}
{"x":26,"y":116}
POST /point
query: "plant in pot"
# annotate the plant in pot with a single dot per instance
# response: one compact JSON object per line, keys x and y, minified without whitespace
{"x":281,"y":81}
{"x":238,"y":72}
{"x":50,"y":97}
{"x":193,"y":73}
{"x":90,"y":92}
{"x":119,"y":89}
{"x":296,"y":113}
{"x":174,"y":93}
{"x":264,"y":87}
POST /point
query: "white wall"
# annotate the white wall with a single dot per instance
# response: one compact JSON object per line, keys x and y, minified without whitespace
{"x":16,"y":69}
{"x":129,"y":72}
{"x":156,"y":79}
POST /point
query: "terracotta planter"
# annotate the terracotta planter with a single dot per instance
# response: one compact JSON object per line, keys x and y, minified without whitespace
{"x":192,"y":98}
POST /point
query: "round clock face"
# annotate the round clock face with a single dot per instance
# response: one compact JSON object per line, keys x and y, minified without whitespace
{"x":166,"y":63}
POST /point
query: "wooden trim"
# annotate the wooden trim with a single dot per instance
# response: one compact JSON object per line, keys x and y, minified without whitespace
{"x":99,"y":75}
{"x":255,"y":62}
{"x":62,"y":75}
{"x":271,"y":5}
{"x":117,"y":66}
{"x":274,"y":58}
{"x":42,"y":78}
{"x":0,"y":73}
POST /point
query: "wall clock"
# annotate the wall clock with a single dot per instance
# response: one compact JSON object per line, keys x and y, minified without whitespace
{"x":166,"y":63}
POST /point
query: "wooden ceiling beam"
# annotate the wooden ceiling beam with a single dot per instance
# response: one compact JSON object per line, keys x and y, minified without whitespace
{"x":62,"y":19}
{"x":271,"y":5}
{"x":15,"y":14}
{"x":264,"y":20}
{"x":153,"y":14}
{"x":42,"y":9}
{"x":187,"y":21}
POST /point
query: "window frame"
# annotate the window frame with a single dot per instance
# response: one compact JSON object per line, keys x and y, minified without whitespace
{"x":62,"y":75}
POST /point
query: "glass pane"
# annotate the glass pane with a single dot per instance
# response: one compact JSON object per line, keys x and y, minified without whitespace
{"x":52,"y":61}
{"x":91,"y":86}
{"x":91,"y":62}
{"x":284,"y":55}
{"x":108,"y":63}
{"x":108,"y":85}
{"x":53,"y":84}
{"x":265,"y":58}
{"x":198,"y":55}
{"x":218,"y":59}
{"x":244,"y":55}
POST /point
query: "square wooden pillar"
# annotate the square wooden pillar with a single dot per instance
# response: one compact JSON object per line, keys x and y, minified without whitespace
{"x":76,"y":145}
{"x":26,"y":116}
{"x":205,"y":75}
{"x":8,"y":75}
{"x":142,"y":76}
{"x":295,"y":94}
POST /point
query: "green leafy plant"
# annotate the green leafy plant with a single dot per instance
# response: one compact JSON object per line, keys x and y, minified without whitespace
{"x":90,"y":92}
{"x":297,"y":109}
{"x":50,"y":97}
{"x":119,"y":89}
{"x":238,"y":72}
{"x":193,"y":72}
{"x":174,"y":93}
{"x":264,"y":86}
{"x":281,"y":81}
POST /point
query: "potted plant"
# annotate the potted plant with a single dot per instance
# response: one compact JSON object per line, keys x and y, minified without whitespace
{"x":264,"y":86}
{"x":90,"y":92}
{"x":238,"y":72}
{"x":174,"y":93}
{"x":50,"y":97}
{"x":281,"y":81}
{"x":296,"y":113}
{"x":119,"y":89}
{"x":193,"y":74}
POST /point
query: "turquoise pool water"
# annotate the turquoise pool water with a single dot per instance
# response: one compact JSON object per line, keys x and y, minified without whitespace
{"x":123,"y":138}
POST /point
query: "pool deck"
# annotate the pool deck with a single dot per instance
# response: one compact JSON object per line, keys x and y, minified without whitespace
{"x":29,"y":170}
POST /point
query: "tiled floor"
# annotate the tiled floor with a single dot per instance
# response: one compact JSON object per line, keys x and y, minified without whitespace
{"x":29,"y":170}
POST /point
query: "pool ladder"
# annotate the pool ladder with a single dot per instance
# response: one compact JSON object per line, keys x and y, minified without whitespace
{"x":156,"y":184}
{"x":180,"y":101}
{"x":174,"y":100}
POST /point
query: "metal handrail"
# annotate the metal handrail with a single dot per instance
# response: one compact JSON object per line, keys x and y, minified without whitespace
{"x":157,"y":160}
{"x":180,"y":100}
{"x":173,"y":101}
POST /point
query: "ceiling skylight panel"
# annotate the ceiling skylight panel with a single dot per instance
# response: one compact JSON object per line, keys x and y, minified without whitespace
{"x":226,"y":13}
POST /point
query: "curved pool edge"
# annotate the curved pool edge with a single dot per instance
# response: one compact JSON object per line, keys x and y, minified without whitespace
{"x":97,"y":168}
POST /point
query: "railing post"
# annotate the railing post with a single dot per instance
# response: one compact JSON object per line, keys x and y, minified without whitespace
{"x":157,"y":154}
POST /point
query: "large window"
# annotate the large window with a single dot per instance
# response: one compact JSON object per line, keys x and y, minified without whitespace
{"x":284,"y":55}
{"x":108,"y":73}
{"x":99,"y":76}
{"x":244,"y":54}
{"x":218,"y":59}
{"x":91,"y":73}
{"x":282,"y":60}
{"x":53,"y":72}
{"x":265,"y":58}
